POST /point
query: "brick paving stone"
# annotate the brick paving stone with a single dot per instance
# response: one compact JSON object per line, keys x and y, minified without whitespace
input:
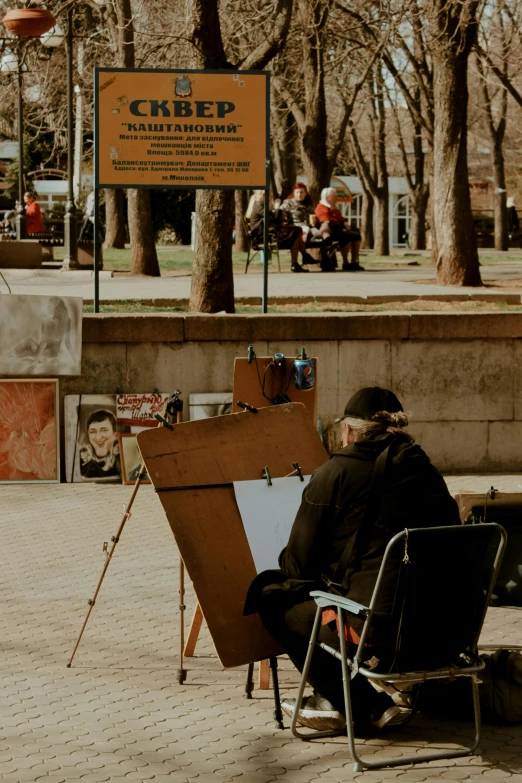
{"x":118,"y":714}
{"x":54,"y":779}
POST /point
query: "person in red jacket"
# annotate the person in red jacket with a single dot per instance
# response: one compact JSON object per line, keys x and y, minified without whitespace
{"x":33,"y":214}
{"x":335,"y":227}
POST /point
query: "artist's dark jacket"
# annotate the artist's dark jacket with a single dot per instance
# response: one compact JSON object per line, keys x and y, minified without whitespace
{"x":414,"y":494}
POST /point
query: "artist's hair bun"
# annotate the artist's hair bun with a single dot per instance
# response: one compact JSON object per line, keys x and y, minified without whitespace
{"x":396,"y":419}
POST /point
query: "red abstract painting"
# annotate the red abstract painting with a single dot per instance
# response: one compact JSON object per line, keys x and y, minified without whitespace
{"x":28,"y":430}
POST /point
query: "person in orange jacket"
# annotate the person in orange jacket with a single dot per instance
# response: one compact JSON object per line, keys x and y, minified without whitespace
{"x":335,"y":227}
{"x":33,"y":214}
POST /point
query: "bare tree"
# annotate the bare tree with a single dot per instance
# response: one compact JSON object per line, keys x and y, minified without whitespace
{"x":497,"y":55}
{"x":284,"y":146}
{"x":497,"y":130}
{"x":375,"y":177}
{"x":212,"y":286}
{"x":453,"y":30}
{"x":301,"y":83}
{"x":141,"y":232}
{"x":241,"y":203}
{"x":418,"y":188}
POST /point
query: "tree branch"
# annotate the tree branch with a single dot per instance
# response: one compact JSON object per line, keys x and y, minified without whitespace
{"x":267,"y":50}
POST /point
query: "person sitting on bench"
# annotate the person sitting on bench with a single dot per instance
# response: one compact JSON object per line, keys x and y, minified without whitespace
{"x":289,"y":236}
{"x":337,"y":543}
{"x":335,"y":227}
{"x":33,"y":214}
{"x":299,"y":210}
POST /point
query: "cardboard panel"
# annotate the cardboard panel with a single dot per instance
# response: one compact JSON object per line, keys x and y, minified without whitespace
{"x":192,"y":469}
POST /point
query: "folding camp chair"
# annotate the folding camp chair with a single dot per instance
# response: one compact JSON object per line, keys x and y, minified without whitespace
{"x":433,"y":632}
{"x":255,"y":247}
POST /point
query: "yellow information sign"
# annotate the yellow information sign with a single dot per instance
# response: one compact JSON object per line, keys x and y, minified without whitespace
{"x":181,"y":129}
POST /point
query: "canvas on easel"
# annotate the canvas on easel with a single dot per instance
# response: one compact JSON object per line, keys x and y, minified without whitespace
{"x":193,"y":469}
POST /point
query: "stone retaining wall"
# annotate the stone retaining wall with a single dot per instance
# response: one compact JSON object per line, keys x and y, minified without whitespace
{"x":459,"y":375}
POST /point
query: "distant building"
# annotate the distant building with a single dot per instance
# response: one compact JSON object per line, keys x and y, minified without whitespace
{"x":398,"y":207}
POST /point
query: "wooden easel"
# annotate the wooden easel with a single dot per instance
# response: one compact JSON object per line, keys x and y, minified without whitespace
{"x":174,"y":411}
{"x":193,"y":469}
{"x":247,"y":374}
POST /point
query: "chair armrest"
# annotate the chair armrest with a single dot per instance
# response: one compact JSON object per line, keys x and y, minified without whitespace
{"x":327,"y":599}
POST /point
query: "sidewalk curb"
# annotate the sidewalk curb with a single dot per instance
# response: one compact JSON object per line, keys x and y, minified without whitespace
{"x":65,"y":274}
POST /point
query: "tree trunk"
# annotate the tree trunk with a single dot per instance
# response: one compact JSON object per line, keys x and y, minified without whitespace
{"x":382,"y":233}
{"x":241,"y":203}
{"x":142,"y":241}
{"x":418,"y":219}
{"x":367,"y":237}
{"x":501,"y":215}
{"x":284,"y":142}
{"x":457,"y":256}
{"x":315,"y":164}
{"x":212,"y":286}
{"x":114,"y":218}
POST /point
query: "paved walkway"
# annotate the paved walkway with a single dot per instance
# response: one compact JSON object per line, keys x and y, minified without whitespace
{"x":386,"y":280}
{"x":119,"y":714}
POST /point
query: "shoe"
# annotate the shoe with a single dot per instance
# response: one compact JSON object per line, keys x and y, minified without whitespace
{"x":316,"y":713}
{"x":392,"y":716}
{"x":298,"y":268}
{"x":352,"y":268}
{"x":308,"y":259}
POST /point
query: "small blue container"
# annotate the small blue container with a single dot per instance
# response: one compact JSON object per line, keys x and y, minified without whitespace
{"x":304,"y":374}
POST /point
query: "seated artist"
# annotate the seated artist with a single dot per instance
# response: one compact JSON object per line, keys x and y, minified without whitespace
{"x":335,"y":227}
{"x":413,"y":494}
{"x":289,"y":236}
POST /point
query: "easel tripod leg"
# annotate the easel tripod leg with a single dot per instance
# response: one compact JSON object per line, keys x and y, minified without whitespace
{"x":249,"y":684}
{"x":182,"y":673}
{"x":115,"y":540}
{"x":278,"y":714}
{"x":195,"y":627}
{"x":264,"y":675}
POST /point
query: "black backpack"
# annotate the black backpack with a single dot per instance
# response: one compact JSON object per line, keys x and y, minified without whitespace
{"x":500,"y":692}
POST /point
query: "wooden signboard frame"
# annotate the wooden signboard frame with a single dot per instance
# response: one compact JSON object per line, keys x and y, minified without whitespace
{"x":278,"y":380}
{"x":193,"y":469}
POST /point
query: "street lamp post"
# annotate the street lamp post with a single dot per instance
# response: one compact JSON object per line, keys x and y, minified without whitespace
{"x":70,"y":227}
{"x":20,"y":218}
{"x":13,"y":64}
{"x":32,"y":23}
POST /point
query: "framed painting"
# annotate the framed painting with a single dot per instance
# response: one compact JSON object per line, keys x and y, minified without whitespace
{"x":130,"y":459}
{"x":92,"y":449}
{"x":40,"y":335}
{"x":29,"y":431}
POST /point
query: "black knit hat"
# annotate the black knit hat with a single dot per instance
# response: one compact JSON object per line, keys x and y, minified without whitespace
{"x":368,"y":401}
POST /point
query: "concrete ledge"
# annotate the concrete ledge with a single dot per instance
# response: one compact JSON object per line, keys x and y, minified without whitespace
{"x":179,"y":327}
{"x":464,"y":326}
{"x":297,"y":326}
{"x":133,"y":328}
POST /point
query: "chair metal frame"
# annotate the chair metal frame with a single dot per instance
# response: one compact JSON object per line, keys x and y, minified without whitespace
{"x":351,"y":667}
{"x":255,"y":248}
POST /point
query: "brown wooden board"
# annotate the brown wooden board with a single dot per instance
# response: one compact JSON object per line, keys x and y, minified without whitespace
{"x":248,"y":389}
{"x":466,"y":501}
{"x":205,"y":457}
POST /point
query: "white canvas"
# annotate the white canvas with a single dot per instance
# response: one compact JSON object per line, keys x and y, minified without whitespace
{"x":207,"y":405}
{"x":40,"y":335}
{"x":268,"y":513}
